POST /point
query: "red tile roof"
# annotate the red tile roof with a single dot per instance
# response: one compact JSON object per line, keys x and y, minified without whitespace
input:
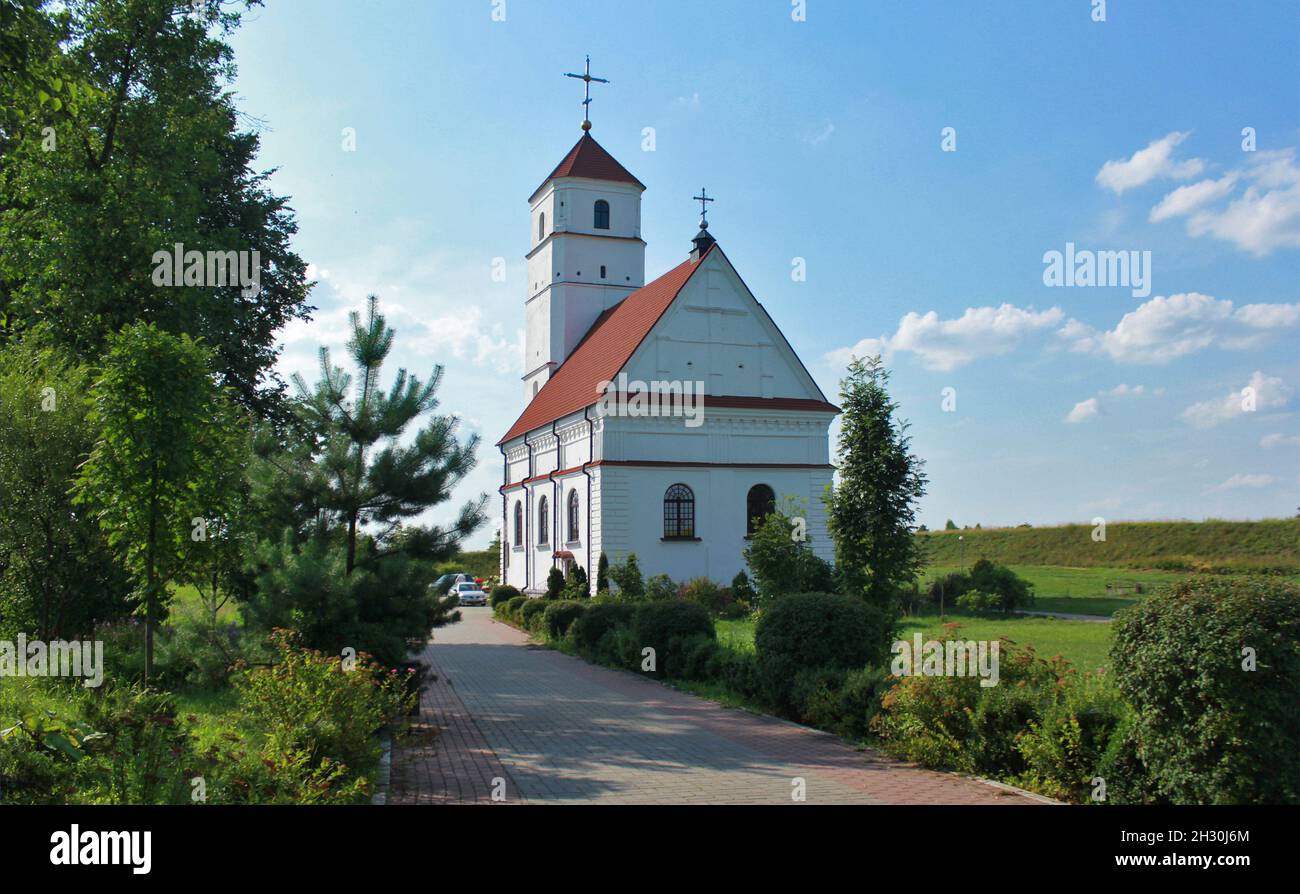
{"x":603,"y":351}
{"x":588,"y":158}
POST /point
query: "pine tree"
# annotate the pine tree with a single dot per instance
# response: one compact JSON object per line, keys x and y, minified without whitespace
{"x":872,"y":511}
{"x":602,"y":574}
{"x":361,"y":475}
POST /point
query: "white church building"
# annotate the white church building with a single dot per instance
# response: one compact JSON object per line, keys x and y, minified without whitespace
{"x":711,"y":418}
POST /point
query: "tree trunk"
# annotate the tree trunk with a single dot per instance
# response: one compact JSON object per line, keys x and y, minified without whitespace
{"x":352,"y":543}
{"x":150,"y":560}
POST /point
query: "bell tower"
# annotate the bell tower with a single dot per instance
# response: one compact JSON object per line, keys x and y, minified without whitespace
{"x":587,"y":253}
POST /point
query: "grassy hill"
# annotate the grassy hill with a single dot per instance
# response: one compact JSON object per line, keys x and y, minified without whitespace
{"x":1268,"y":545}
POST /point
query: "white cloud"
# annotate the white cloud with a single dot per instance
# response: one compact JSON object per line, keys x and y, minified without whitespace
{"x":1264,"y":218}
{"x":1145,"y":165}
{"x":1084,"y":409}
{"x":1166,"y":328}
{"x":944,"y":345}
{"x":1265,"y":392}
{"x":1240,"y":480}
{"x":1122,"y":390}
{"x":1186,"y":199}
{"x":1268,"y":442}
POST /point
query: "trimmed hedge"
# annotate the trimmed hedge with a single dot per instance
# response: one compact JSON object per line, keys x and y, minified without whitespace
{"x":596,"y":621}
{"x":503,"y":593}
{"x":816,"y":630}
{"x":559,"y":617}
{"x":510,"y":608}
{"x":530,"y":613}
{"x":1212,"y":728}
{"x":659,"y":624}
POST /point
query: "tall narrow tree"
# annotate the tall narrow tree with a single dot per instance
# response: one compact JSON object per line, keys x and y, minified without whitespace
{"x":162,"y":423}
{"x":872,"y":508}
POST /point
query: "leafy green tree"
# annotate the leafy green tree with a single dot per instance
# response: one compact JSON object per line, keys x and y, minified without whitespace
{"x":872,"y":510}
{"x":950,"y":525}
{"x":120,"y":140}
{"x":161,"y":423}
{"x":58,"y":577}
{"x":627,"y":577}
{"x":781,"y":560}
{"x":360,"y":474}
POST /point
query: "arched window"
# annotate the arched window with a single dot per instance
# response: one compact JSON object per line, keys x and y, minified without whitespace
{"x":519,"y":523}
{"x":679,"y":512}
{"x":541,"y":226}
{"x":573,"y":516}
{"x":602,"y":214}
{"x":759,"y":504}
{"x":543,"y":522}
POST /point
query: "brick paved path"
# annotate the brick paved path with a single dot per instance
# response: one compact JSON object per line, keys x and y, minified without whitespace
{"x":547,"y":727}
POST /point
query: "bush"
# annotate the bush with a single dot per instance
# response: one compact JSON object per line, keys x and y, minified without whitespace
{"x":554,"y":584}
{"x":192,"y":651}
{"x":376,"y":609}
{"x":619,"y":648}
{"x":693,"y":657}
{"x":1013,"y":591}
{"x":600,"y":618}
{"x":783,"y":564}
{"x":559,"y":617}
{"x":840,"y":701}
{"x":928,"y":719}
{"x":988,"y":587}
{"x":1064,"y":750}
{"x":1212,"y":726}
{"x":810,"y":631}
{"x":658,"y":624}
{"x":707,"y":594}
{"x":577,"y":586}
{"x":503,"y":593}
{"x":627,"y":577}
{"x":978,"y":602}
{"x":530,"y":613}
{"x":955,"y":723}
{"x":660,"y":586}
{"x":512,"y":607}
{"x":1128,"y":780}
{"x":738,"y":671}
{"x":308,"y":702}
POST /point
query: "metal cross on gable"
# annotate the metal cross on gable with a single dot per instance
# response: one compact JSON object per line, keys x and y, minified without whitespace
{"x":587,"y":78}
{"x":704,"y":199}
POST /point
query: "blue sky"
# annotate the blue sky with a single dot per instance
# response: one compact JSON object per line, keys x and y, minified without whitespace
{"x":822,"y":140}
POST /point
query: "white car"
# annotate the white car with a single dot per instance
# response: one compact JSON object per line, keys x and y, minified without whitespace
{"x":469,"y":593}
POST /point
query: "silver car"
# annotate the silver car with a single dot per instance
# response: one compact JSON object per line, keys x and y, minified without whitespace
{"x":469,"y":593}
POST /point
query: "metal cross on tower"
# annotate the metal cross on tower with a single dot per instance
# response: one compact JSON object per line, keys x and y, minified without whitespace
{"x":703,"y":199}
{"x":587,"y":78}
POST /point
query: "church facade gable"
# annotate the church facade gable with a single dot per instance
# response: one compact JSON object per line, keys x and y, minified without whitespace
{"x":716,"y":334}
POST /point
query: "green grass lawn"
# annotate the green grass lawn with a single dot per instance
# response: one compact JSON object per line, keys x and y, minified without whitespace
{"x":1080,"y":590}
{"x":1083,"y":643}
